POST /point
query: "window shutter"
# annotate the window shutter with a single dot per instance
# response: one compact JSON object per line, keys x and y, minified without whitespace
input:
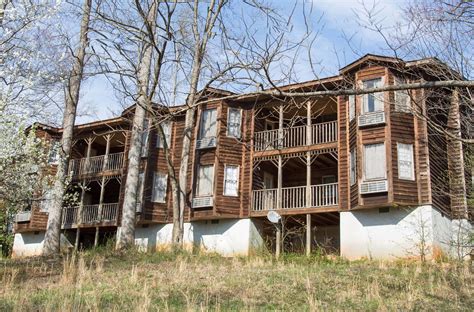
{"x":406,"y":168}
{"x":160,"y":185}
{"x":351,"y":107}
{"x":231,"y":181}
{"x":374,"y":161}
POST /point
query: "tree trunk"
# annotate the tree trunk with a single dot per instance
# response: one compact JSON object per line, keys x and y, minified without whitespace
{"x":457,"y":178}
{"x":51,"y":244}
{"x":126,"y":233}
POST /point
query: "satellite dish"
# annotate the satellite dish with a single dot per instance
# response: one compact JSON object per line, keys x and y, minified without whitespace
{"x":273,"y":216}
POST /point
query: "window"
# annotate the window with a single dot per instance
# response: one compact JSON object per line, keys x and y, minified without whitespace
{"x":53,"y":156}
{"x":160,"y":184}
{"x":374,"y":162}
{"x":373,"y":102}
{"x":145,"y":139}
{"x":231,"y":180}
{"x":208,"y":126}
{"x":351,"y":107}
{"x":205,"y":182}
{"x":141,"y":186}
{"x":166,"y":126}
{"x":402,"y":98}
{"x":353,"y":173}
{"x":406,"y":168}
{"x":234,"y":120}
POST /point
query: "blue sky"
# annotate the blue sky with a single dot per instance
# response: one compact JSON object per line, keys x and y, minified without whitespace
{"x":340,"y":20}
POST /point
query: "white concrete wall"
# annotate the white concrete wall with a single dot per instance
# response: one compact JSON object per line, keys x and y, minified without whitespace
{"x":228,"y":237}
{"x":31,"y":244}
{"x":400,"y":233}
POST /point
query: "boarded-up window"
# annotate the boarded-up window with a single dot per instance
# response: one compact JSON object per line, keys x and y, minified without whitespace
{"x":160,"y":184}
{"x":374,"y":161}
{"x":208,"y":127}
{"x":351,"y":107}
{"x":205,"y":182}
{"x":373,"y":102}
{"x":231,"y":180}
{"x":406,"y":168}
{"x":353,"y":172}
{"x":402,"y":98}
{"x":234,"y":120}
{"x":166,"y":126}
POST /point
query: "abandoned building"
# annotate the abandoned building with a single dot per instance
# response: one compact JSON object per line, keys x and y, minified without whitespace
{"x":358,"y":175}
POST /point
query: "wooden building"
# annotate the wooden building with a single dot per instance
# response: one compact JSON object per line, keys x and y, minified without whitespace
{"x":354,"y":173}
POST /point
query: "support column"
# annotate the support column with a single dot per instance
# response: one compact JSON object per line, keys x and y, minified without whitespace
{"x":96,"y":238}
{"x":278,"y":241}
{"x":280,"y":182}
{"x":108,"y":138}
{"x":83,"y":192}
{"x":309,"y":132}
{"x":308,"y":234}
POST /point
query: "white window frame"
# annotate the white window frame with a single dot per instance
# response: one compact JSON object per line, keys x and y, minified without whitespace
{"x":154,"y":196}
{"x":201,"y":125}
{"x":365,"y":101}
{"x":352,"y":101}
{"x":353,"y":166}
{"x":159,"y":141}
{"x":237,"y":182}
{"x":411,"y":177}
{"x":229,"y":123}
{"x":199,"y":180}
{"x":384,"y":177}
{"x":402,"y":100}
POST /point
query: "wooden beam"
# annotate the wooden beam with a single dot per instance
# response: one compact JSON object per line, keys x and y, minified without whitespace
{"x":308,"y":234}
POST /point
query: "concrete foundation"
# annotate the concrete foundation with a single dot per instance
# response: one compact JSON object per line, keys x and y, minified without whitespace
{"x":396,"y":233}
{"x":31,"y":244}
{"x":227,"y":237}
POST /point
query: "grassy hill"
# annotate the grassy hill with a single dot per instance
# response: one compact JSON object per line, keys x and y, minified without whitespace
{"x":132,"y":281}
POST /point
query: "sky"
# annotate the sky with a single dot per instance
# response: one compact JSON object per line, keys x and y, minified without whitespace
{"x":341,"y":39}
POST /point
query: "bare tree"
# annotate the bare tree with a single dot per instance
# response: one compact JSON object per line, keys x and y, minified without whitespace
{"x":53,"y":231}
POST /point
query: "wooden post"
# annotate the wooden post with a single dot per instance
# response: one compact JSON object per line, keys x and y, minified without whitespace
{"x":83,"y":192}
{"x":108,"y":138}
{"x":280,"y":182}
{"x":96,"y":238}
{"x":309,"y":132}
{"x":280,"y":126}
{"x":278,"y":242}
{"x":308,"y":234}
{"x":76,"y":243}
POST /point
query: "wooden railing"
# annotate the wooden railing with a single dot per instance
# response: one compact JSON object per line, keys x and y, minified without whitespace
{"x":91,"y":214}
{"x":325,"y":132}
{"x":96,"y":164}
{"x":295,"y":197}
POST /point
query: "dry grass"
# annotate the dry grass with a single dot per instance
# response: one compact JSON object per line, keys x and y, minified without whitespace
{"x":165,"y":281}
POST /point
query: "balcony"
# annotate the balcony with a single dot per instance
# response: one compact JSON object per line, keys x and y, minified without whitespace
{"x":322,"y":195}
{"x":296,"y":136}
{"x":96,"y":164}
{"x":91,"y":215}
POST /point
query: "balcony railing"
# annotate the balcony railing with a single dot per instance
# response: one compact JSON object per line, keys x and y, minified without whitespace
{"x":322,"y":195}
{"x":91,"y":214}
{"x":96,"y":164}
{"x":325,"y":132}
